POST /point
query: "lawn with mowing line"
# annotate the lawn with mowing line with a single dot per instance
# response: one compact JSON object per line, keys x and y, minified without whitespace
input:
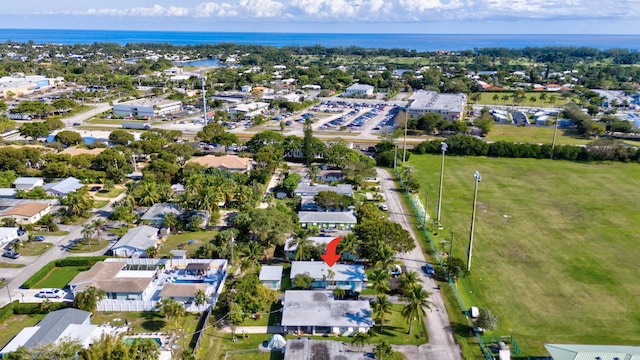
{"x":554,"y":249}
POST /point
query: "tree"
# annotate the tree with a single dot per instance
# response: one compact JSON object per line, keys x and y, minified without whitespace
{"x":120,"y":137}
{"x":486,"y":320}
{"x":98,"y":226}
{"x":408,"y":280}
{"x":417,"y":300}
{"x":383,"y":351}
{"x":151,"y":252}
{"x":170,"y":309}
{"x":360,"y":339}
{"x":200,"y":298}
{"x":381,"y":307}
{"x":34,"y":130}
{"x":339,"y":293}
{"x":88,"y":299}
{"x":303,"y":245}
{"x":302,"y":281}
{"x":379,"y":279}
{"x":59,"y":350}
{"x":68,"y":138}
{"x":290,"y":183}
{"x":382,"y":234}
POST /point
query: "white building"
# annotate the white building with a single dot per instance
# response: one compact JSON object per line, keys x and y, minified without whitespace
{"x":250,"y":110}
{"x":359,"y":90}
{"x":450,"y":106}
{"x":148,"y":107}
{"x":7,"y":234}
{"x":27,"y":183}
{"x":136,"y":241}
{"x":271,"y":276}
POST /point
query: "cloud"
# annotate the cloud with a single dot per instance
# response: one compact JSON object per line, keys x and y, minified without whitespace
{"x":302,"y":11}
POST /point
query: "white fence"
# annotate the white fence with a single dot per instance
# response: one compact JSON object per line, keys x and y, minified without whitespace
{"x":126,"y":305}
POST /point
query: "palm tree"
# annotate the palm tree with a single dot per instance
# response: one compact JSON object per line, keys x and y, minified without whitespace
{"x":171,"y":309}
{"x":87,"y":233}
{"x":151,"y":252}
{"x":532,"y":99}
{"x":301,"y":240}
{"x":147,"y":192}
{"x":505,"y":98}
{"x":417,"y":300}
{"x":339,"y":293}
{"x":408,"y":280}
{"x":543,"y":97}
{"x":200,"y":298}
{"x":171,"y":221}
{"x":496,"y":97}
{"x":252,"y":253}
{"x":380,"y":281}
{"x":381,"y":307}
{"x":360,"y":339}
{"x":98,"y":225}
{"x":349,"y":244}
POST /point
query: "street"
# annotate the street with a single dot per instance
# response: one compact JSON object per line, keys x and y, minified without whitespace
{"x":441,"y":345}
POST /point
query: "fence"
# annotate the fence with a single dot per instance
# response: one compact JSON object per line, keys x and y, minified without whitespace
{"x":422,"y":218}
{"x":113,"y":305}
{"x":202,"y":324}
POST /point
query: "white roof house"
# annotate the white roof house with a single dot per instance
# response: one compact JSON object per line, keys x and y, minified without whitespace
{"x":345,"y":276}
{"x":27,"y":183}
{"x":157,"y":212}
{"x":317,"y":312}
{"x":64,"y":187}
{"x":271,"y":276}
{"x":306,"y":189}
{"x":336,"y":219}
{"x":136,"y":241}
{"x":7,"y":234}
{"x":592,"y":352}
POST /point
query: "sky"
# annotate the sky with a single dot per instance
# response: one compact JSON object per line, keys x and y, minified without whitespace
{"x":331,"y":16}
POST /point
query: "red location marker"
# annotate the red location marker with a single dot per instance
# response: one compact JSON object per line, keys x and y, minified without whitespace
{"x":330,"y":257}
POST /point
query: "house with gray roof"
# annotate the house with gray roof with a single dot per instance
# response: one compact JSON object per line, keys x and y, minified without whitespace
{"x":271,"y":276}
{"x":319,"y":313}
{"x":344,"y":276}
{"x":27,"y":183}
{"x":312,"y":349}
{"x":65,"y":324}
{"x":155,"y":214}
{"x":306,"y":189}
{"x":136,"y":241}
{"x":342,"y":220}
{"x":64,"y":187}
{"x":592,"y":352}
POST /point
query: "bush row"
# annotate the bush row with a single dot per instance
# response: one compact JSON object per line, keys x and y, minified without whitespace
{"x":17,"y":307}
{"x":598,"y":150}
{"x":70,"y":261}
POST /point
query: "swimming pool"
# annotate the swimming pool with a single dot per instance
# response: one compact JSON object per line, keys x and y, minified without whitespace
{"x":130,"y":340}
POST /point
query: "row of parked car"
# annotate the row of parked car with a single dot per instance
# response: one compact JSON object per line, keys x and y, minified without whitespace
{"x":389,"y":119}
{"x":10,"y":252}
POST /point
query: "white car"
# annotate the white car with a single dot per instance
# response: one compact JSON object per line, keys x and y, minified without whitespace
{"x":384,"y":207}
{"x":51,"y":293}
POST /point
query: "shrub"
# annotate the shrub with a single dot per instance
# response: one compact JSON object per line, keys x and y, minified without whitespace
{"x":39,"y":275}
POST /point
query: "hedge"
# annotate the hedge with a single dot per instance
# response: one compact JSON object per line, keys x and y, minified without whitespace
{"x":7,"y":311}
{"x":35,"y":308}
{"x":70,"y":261}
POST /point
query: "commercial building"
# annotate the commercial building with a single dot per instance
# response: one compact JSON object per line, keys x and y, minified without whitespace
{"x":248,"y":111}
{"x":148,"y":107}
{"x":359,"y":90}
{"x":318,"y":313}
{"x":450,"y":106}
{"x":20,"y":84}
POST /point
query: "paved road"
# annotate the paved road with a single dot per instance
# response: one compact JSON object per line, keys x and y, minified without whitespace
{"x":16,"y":277}
{"x":441,"y":345}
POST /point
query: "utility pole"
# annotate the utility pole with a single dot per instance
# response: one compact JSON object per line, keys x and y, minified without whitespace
{"x":478,"y":178}
{"x":443,"y":147}
{"x":406,"y":122}
{"x":8,"y":292}
{"x":553,"y":144}
{"x":395,"y":156}
{"x":450,"y":257}
{"x":204,"y":99}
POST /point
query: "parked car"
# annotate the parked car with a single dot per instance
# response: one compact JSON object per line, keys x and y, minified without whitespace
{"x":384,"y":207}
{"x":21,"y":232}
{"x":428,"y":269}
{"x":51,"y":293}
{"x":96,"y":188}
{"x":38,"y":238}
{"x":11,"y":254}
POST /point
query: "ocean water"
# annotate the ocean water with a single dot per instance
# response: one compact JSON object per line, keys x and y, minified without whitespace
{"x":418,"y":42}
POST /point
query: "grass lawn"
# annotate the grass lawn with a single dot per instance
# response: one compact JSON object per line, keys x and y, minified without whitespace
{"x":487,"y":99}
{"x":534,"y":134}
{"x":51,"y":233}
{"x":266,"y":320}
{"x":111,"y":193}
{"x":97,"y":204}
{"x":94,"y":245}
{"x":59,"y":277}
{"x":35,"y":248}
{"x":395,"y":330}
{"x":12,"y":326}
{"x":215,"y":344}
{"x":181,"y":241}
{"x":550,"y":247}
{"x":120,"y":231}
{"x":11,"y":266}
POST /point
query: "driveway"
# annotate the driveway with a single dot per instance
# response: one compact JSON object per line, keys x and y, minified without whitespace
{"x":441,"y":345}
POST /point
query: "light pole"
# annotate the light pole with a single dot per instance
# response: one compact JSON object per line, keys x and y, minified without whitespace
{"x":473,"y":218}
{"x":395,"y":155}
{"x":204,"y":99}
{"x":443,"y":147}
{"x":404,"y":150}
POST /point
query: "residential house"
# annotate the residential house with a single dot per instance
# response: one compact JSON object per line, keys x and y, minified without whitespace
{"x":318,"y":313}
{"x":7,"y":193}
{"x":64,"y":187}
{"x":60,"y":325}
{"x":225,"y":162}
{"x":7,"y":234}
{"x":26,"y":212}
{"x":308,"y":349}
{"x":291,"y":247}
{"x":155,"y":215}
{"x":359,"y":90}
{"x":27,"y":183}
{"x":138,"y":284}
{"x":271,"y":276}
{"x":342,"y":220}
{"x":330,"y":176}
{"x":306,"y":189}
{"x":136,"y":241}
{"x":344,"y":276}
{"x":588,"y":352}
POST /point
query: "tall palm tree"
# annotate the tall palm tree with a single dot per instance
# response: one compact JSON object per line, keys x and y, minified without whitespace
{"x":252,"y":253}
{"x":381,"y":307}
{"x":408,"y":280}
{"x":379,"y":279}
{"x":496,"y":97}
{"x":350,"y":245}
{"x":543,"y":97}
{"x":417,"y":300}
{"x":301,"y":240}
{"x":98,"y":225}
{"x":87,"y":232}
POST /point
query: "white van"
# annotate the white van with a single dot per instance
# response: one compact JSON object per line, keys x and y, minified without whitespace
{"x":51,"y":293}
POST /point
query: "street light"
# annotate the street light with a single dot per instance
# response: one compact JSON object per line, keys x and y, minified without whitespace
{"x":443,"y":147}
{"x":473,"y":219}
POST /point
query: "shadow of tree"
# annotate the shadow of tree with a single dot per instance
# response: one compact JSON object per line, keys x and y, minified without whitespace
{"x":153,"y":321}
{"x":463,"y":330}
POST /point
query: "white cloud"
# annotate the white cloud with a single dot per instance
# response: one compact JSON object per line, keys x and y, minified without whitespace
{"x":262,"y":8}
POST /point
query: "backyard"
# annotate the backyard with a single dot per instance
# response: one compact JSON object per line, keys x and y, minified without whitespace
{"x":187,"y":240}
{"x":547,"y":234}
{"x":12,"y":326}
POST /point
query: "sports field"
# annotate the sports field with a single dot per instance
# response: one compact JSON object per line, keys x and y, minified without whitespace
{"x":556,"y":245}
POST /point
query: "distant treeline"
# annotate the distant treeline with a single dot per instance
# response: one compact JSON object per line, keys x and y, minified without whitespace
{"x":598,"y":150}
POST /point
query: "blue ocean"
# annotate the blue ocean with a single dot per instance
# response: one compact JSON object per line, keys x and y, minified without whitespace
{"x":417,"y":42}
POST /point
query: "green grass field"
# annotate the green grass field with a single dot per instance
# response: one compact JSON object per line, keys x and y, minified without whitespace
{"x":181,"y":241}
{"x":12,"y":326}
{"x":59,"y":277}
{"x":35,"y":248}
{"x":487,"y":99}
{"x":535,"y":135}
{"x":555,"y":245}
